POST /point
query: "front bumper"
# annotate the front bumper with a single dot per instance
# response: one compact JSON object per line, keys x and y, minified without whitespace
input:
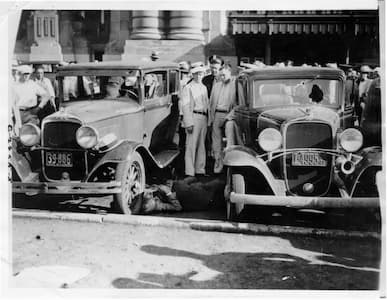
{"x":305,"y":202}
{"x":113,"y":187}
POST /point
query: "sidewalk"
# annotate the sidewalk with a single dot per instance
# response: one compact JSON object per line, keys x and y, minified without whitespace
{"x":196,"y":224}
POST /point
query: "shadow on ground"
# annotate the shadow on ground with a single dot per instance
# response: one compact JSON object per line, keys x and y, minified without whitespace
{"x":356,"y":270}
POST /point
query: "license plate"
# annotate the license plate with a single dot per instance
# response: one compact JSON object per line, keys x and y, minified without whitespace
{"x":59,"y":159}
{"x":308,"y":159}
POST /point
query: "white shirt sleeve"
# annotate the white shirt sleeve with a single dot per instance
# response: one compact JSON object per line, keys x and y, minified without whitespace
{"x":50,"y":89}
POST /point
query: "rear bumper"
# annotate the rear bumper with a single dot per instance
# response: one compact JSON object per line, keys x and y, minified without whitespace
{"x":112,"y":187}
{"x":304,"y":202}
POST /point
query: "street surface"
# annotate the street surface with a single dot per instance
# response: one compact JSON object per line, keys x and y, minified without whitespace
{"x":125,"y":256}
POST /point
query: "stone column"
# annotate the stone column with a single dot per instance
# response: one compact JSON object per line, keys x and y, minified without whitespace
{"x":79,"y":40}
{"x":147,"y":25}
{"x":46,"y":37}
{"x":186,"y":25}
{"x":66,"y":35}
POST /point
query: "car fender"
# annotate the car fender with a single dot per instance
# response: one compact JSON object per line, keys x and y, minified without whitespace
{"x":371,"y":157}
{"x":123,"y":152}
{"x":240,"y":156}
{"x":19,"y":163}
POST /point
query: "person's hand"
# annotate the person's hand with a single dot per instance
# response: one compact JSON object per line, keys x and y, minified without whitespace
{"x":190,"y":129}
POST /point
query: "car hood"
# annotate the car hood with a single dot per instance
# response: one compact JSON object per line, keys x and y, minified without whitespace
{"x":311,"y":112}
{"x":92,"y":111}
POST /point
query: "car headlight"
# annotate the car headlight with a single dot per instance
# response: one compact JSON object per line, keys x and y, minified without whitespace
{"x":351,"y":140}
{"x":270,"y":139}
{"x":29,"y":134}
{"x":87,"y":137}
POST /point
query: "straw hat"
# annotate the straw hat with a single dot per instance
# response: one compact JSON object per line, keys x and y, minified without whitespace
{"x":197,"y":67}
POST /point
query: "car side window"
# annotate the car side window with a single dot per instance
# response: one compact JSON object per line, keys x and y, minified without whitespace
{"x":155,"y":84}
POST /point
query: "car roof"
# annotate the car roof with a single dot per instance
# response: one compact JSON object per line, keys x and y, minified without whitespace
{"x":291,"y":72}
{"x":123,"y":65}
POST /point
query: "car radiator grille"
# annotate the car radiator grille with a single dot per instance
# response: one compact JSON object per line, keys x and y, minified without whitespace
{"x":60,"y":138}
{"x":308,"y":135}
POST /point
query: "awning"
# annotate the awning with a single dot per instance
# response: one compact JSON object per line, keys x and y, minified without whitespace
{"x":296,"y":23}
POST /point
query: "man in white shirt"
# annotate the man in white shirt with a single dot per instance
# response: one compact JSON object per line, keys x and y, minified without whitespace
{"x":26,"y":93}
{"x":195,"y":105}
{"x":45,"y":83}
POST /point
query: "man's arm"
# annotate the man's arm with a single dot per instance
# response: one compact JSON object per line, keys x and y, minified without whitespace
{"x":186,"y":107}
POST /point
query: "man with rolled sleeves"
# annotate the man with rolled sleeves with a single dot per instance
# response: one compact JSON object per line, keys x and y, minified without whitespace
{"x":195,"y":105}
{"x":222,"y":100}
{"x":27,"y":94}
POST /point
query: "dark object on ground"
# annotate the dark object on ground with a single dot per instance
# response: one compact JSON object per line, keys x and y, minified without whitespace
{"x":195,"y":195}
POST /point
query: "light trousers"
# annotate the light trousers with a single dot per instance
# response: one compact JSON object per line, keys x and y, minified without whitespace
{"x":217,"y":136}
{"x":195,"y":151}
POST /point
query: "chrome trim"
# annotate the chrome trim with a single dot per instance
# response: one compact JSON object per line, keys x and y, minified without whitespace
{"x":96,"y":132}
{"x":303,"y":201}
{"x":284,"y":128}
{"x":280,"y":152}
{"x":85,"y":188}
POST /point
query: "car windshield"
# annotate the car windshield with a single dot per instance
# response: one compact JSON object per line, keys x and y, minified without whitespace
{"x":296,"y":92}
{"x":90,"y":87}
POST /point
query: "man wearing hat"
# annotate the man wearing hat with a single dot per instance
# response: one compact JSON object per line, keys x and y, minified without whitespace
{"x":113,"y":87}
{"x":27,"y":95}
{"x":215,"y":64}
{"x":195,"y":105}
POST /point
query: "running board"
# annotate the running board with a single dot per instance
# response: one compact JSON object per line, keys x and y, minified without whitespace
{"x":164,"y":158}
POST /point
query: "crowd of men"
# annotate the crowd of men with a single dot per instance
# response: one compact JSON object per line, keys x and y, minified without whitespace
{"x":206,"y":104}
{"x":33,"y":95}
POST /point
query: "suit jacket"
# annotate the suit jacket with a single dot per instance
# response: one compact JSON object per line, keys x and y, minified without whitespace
{"x":220,"y":89}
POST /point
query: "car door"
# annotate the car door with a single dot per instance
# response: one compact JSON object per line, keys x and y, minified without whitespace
{"x":157,"y":105}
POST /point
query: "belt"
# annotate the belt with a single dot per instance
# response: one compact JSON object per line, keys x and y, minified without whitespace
{"x":26,"y":108}
{"x":200,"y":112}
{"x":221,"y":110}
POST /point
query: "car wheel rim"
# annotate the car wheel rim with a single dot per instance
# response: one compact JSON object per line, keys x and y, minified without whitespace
{"x":132,"y":186}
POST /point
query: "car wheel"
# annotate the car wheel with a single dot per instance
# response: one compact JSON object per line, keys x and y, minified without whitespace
{"x":235,"y":183}
{"x":132,"y":177}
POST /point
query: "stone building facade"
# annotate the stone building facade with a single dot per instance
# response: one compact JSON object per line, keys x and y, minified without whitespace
{"x":270,"y":36}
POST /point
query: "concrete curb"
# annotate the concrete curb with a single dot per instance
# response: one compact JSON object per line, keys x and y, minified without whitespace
{"x":197,"y":224}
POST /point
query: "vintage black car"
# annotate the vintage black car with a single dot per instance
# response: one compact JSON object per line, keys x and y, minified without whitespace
{"x":115,"y":125}
{"x":295,"y":144}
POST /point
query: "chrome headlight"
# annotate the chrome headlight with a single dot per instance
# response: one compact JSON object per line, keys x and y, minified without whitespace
{"x":270,"y":139}
{"x":351,"y":140}
{"x":87,"y":137}
{"x":29,"y":134}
